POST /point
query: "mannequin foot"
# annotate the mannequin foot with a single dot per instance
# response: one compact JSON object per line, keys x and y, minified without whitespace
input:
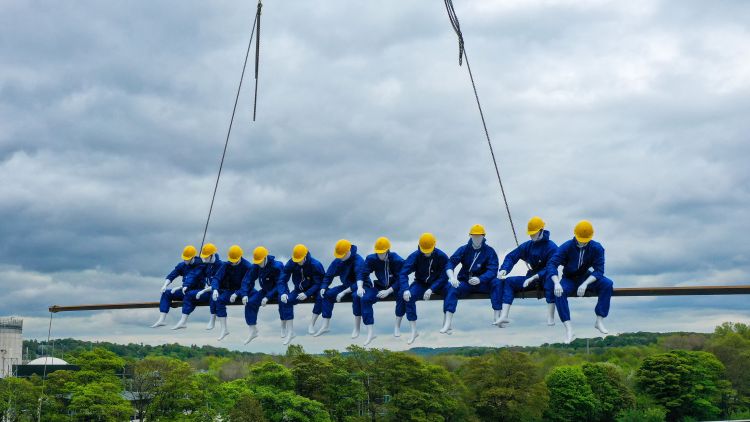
{"x":160,"y":322}
{"x":550,"y":314}
{"x":322,"y":331}
{"x":599,"y":325}
{"x":369,"y":340}
{"x":569,"y":334}
{"x":412,"y":338}
{"x":253,"y":334}
{"x":289,"y":338}
{"x":311,"y":329}
{"x":355,"y":333}
{"x":222,"y":335}
{"x":211,"y":322}
{"x":182,"y":323}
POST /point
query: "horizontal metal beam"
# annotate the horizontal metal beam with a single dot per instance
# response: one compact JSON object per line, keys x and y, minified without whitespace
{"x":620,"y":291}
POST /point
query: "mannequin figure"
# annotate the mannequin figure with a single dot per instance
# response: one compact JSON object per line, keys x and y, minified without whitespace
{"x":307,"y":274}
{"x":226,"y":285}
{"x":194,"y":292}
{"x":386,"y":266}
{"x":266,"y":271}
{"x":190,"y":270}
{"x":536,"y":253}
{"x":432,"y":272}
{"x":346,"y":266}
{"x":478,"y":268}
{"x":582,"y":259}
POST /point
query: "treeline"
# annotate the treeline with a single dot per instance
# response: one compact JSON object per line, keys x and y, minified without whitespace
{"x":680,"y":377}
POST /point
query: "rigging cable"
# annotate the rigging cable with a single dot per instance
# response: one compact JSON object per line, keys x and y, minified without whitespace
{"x":256,"y":21}
{"x":44,"y":376}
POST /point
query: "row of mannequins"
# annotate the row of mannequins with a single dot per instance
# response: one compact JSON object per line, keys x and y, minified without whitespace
{"x":573,"y":268}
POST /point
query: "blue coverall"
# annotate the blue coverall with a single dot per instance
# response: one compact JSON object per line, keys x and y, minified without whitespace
{"x":386,"y":276}
{"x":192,"y":275}
{"x":481,"y":263}
{"x":189,"y":302}
{"x":268,"y":279}
{"x":347,"y":271}
{"x":576,"y":264}
{"x":306,"y":279}
{"x":227,"y":281}
{"x":536,"y":255}
{"x":429,"y":273}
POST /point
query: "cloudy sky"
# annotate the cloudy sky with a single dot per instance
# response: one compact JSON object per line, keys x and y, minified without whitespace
{"x":113,"y":117}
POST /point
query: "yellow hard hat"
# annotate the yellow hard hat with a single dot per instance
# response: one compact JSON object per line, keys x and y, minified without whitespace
{"x":342,"y":247}
{"x":259,"y":254}
{"x":478,"y":229}
{"x":427,"y":242}
{"x":189,"y":253}
{"x":535,"y":224}
{"x":584,"y":231}
{"x":382,"y":245}
{"x":299,"y":253}
{"x":208,"y":250}
{"x":234,"y":254}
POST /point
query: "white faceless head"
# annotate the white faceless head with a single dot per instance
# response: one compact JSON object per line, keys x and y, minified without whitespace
{"x":383,"y":256}
{"x":427,"y":254}
{"x":537,"y":236}
{"x":263,"y":264}
{"x":476,"y":240}
{"x":347,"y":256}
{"x":209,"y":260}
{"x":581,"y":244}
{"x":235,"y":263}
{"x":301,"y":263}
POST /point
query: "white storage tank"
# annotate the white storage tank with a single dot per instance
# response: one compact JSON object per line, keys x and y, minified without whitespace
{"x":11,"y":345}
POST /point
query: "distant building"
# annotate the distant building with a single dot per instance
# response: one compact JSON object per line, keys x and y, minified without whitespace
{"x":11,"y":345}
{"x":43,"y":366}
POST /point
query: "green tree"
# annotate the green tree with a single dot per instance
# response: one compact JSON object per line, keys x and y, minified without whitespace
{"x":247,"y":409}
{"x":651,"y":414}
{"x":165,"y":388}
{"x":320,"y":379}
{"x":99,"y":401}
{"x":687,"y":384}
{"x":731,"y":344}
{"x":505,"y":386}
{"x":570,"y":396}
{"x":271,"y":374}
{"x":608,"y":386}
{"x":19,"y":399}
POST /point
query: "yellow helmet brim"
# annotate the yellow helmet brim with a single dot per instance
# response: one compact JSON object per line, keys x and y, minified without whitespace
{"x":584,"y":239}
{"x":533,"y":232}
{"x":381,"y":250}
{"x":234,"y":261}
{"x":187,"y":258}
{"x":426,"y":250}
{"x":298,"y":260}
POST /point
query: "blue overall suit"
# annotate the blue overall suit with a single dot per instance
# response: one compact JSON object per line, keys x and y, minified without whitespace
{"x":577,"y":263}
{"x":429,"y":273}
{"x":306,"y":279}
{"x":228,"y":281}
{"x":189,"y":302}
{"x":268,"y":279}
{"x":347,"y":271}
{"x":386,"y":276}
{"x":191,"y":272}
{"x":481,"y":263}
{"x":536,"y":255}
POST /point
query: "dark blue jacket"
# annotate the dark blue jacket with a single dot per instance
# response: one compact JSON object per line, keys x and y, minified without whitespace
{"x":192,"y":274}
{"x":386,"y":272}
{"x":229,"y":277}
{"x":484,"y":262}
{"x":209,"y":270}
{"x":536,"y":254}
{"x":427,"y":270}
{"x":306,"y":278}
{"x":267,"y":277}
{"x":577,"y":261}
{"x":347,"y":271}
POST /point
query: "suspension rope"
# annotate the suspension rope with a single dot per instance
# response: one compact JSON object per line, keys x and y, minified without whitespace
{"x":231,"y":120}
{"x":462,"y":54}
{"x":257,"y":56}
{"x":44,"y":376}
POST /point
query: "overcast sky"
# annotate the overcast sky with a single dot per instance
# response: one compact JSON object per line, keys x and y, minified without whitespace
{"x":113,"y":116}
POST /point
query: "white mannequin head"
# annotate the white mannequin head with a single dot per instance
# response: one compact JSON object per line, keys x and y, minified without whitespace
{"x":234,"y":264}
{"x":347,"y":256}
{"x":476,"y":240}
{"x":427,"y":254}
{"x":209,"y":260}
{"x":537,"y":236}
{"x":383,"y":256}
{"x":263,"y":264}
{"x":301,"y":263}
{"x":581,"y":245}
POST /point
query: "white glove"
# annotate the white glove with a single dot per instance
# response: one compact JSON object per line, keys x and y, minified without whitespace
{"x":244,"y":300}
{"x":342,"y":294}
{"x":264,"y":301}
{"x":582,"y":289}
{"x":199,"y":294}
{"x":360,"y":288}
{"x":284,"y":297}
{"x":451,"y":279}
{"x":384,"y":293}
{"x":407,"y":295}
{"x":215,"y":295}
{"x":233,"y":297}
{"x":164,"y":287}
{"x":322,"y":293}
{"x":474,"y":281}
{"x":427,"y":294}
{"x":530,"y":280}
{"x":176,"y":289}
{"x":502,"y":274}
{"x":301,"y":297}
{"x":558,"y":287}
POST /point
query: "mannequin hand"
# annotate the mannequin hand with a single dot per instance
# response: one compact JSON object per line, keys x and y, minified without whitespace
{"x":427,"y":294}
{"x":199,"y":294}
{"x":502,"y":274}
{"x":177,"y":289}
{"x":407,"y":295}
{"x":454,"y":282}
{"x":301,"y":297}
{"x":215,"y":295}
{"x":233,"y":297}
{"x":474,"y":281}
{"x":582,"y":290}
{"x":164,"y":287}
{"x":360,"y":291}
{"x":340,"y":296}
{"x":558,"y":289}
{"x":264,"y":301}
{"x":530,"y":280}
{"x":244,"y":300}
{"x":284,"y":298}
{"x":322,"y":293}
{"x":384,"y":293}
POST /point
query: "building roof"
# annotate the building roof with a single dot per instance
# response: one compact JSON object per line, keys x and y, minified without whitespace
{"x":48,"y":361}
